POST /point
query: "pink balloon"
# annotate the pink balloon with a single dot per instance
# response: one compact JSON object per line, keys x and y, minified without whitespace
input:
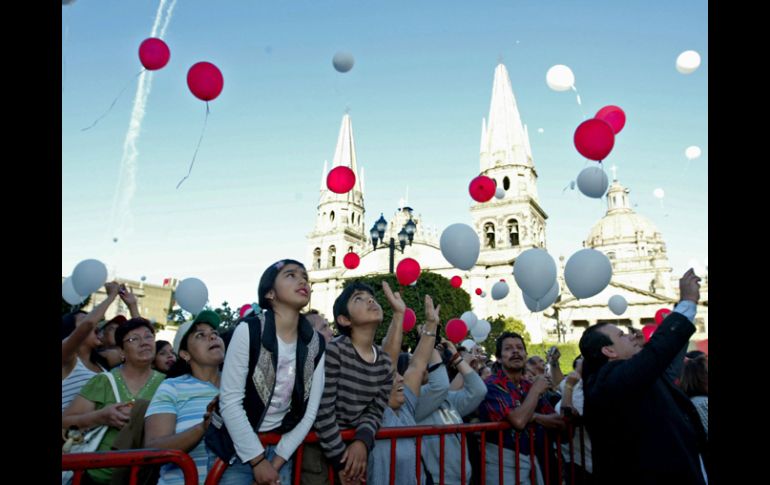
{"x":647,"y":331}
{"x":456,"y":330}
{"x":351,"y":261}
{"x":407,"y":271}
{"x":153,"y":53}
{"x":244,"y":309}
{"x":661,"y":315}
{"x":409,"y":319}
{"x":205,"y":81}
{"x":456,"y":282}
{"x":594,"y":139}
{"x":482,"y":188}
{"x":341,"y":179}
{"x":614,"y":116}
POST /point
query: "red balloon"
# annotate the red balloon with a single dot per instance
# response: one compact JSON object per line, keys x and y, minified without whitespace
{"x":482,"y":188}
{"x":456,"y":282}
{"x":478,"y":291}
{"x":456,"y":330}
{"x":407,"y":271}
{"x":351,"y":261}
{"x":614,"y":116}
{"x":661,"y":315}
{"x":647,"y":331}
{"x":205,"y":81}
{"x":409,"y":319}
{"x":341,"y":179}
{"x":153,"y":53}
{"x":594,"y":139}
{"x":244,"y":309}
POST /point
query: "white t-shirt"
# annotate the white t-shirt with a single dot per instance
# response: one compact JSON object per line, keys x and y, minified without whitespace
{"x":284,"y":385}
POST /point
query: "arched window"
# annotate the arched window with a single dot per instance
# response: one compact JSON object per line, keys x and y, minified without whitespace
{"x":331,"y":216}
{"x":506,"y":183}
{"x":317,"y":258}
{"x":332,"y":255}
{"x":489,"y":233}
{"x":513,"y":232}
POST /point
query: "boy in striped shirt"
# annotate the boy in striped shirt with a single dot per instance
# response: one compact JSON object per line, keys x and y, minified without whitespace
{"x":359,"y":378}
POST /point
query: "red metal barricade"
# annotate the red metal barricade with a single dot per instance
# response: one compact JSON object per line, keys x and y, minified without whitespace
{"x":79,"y":462}
{"x":136,"y":458}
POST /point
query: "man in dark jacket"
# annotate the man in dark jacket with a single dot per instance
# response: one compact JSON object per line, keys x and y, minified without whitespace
{"x":644,"y":429}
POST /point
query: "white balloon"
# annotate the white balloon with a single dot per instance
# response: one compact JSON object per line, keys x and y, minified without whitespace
{"x":540,"y":130}
{"x":687,"y":62}
{"x":692,"y":152}
{"x":481,"y":330}
{"x":658,"y":193}
{"x":460,"y":246}
{"x":534,"y":271}
{"x":192,"y":295}
{"x":88,"y":276}
{"x":470,"y":319}
{"x":587,"y":273}
{"x":499,"y":193}
{"x":544,"y":302}
{"x":483,"y":294}
{"x":468,"y":344}
{"x":68,"y":292}
{"x":500,"y":290}
{"x":343,"y":61}
{"x":560,"y":78}
{"x":592,"y":182}
{"x":617,"y":304}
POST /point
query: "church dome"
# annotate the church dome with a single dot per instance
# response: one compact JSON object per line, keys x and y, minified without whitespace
{"x":620,"y":222}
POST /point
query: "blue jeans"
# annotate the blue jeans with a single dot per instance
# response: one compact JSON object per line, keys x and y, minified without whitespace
{"x":241,"y":473}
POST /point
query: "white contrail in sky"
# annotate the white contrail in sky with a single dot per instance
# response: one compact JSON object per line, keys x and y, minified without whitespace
{"x":121,"y":221}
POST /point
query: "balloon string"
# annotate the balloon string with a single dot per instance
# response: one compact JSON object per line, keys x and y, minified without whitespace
{"x":113,"y":102}
{"x":579,"y":101}
{"x":189,"y":171}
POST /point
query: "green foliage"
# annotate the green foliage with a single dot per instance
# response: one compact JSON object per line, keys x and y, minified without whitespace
{"x":228,"y":316}
{"x":178,"y":316}
{"x":501,"y":324}
{"x":453,"y":301}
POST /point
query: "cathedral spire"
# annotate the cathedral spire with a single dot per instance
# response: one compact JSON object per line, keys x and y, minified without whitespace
{"x":505,"y":136}
{"x":345,"y":153}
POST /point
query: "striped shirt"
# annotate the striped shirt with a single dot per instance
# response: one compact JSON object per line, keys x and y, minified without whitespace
{"x":70,"y":385}
{"x":187,"y":398}
{"x":355,"y":395}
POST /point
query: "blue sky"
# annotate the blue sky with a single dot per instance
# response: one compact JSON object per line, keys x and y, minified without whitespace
{"x":421,"y":84}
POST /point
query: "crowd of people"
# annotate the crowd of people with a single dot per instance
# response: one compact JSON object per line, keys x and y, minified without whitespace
{"x":284,"y":371}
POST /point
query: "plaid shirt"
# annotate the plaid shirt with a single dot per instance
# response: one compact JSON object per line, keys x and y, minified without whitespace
{"x":503,"y":396}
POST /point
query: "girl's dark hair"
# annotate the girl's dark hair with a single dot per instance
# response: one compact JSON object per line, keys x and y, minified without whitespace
{"x":159,"y":344}
{"x":267,"y":281}
{"x":68,"y":323}
{"x":695,"y":377}
{"x":180,"y":367}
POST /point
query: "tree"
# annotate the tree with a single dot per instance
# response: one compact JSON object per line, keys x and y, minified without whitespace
{"x":228,"y":316}
{"x":177,"y":316}
{"x":500,"y":324}
{"x":453,"y":301}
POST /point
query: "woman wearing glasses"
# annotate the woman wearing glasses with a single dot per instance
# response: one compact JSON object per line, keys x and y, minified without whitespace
{"x":179,"y":412}
{"x":96,"y":404}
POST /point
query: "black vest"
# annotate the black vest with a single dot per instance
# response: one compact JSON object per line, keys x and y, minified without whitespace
{"x":263,"y":361}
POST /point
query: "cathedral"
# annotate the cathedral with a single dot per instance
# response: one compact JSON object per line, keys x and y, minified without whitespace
{"x":505,"y":227}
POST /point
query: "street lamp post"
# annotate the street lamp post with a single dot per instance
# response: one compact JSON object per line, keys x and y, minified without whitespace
{"x":406,"y":234}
